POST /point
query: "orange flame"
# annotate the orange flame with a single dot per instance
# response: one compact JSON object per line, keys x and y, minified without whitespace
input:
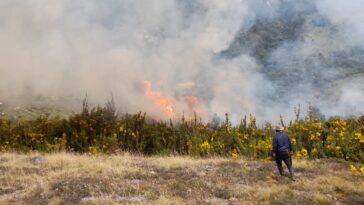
{"x":194,"y":105}
{"x":192,"y":102}
{"x":164,"y":103}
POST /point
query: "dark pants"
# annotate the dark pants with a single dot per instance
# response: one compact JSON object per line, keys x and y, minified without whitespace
{"x":287,"y":160}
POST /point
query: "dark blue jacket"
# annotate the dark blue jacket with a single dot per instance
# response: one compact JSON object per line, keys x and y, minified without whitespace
{"x":281,"y":143}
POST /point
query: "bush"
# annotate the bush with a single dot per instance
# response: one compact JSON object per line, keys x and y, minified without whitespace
{"x":101,"y":130}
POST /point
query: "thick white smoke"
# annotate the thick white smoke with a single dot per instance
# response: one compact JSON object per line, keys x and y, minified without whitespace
{"x":64,"y":49}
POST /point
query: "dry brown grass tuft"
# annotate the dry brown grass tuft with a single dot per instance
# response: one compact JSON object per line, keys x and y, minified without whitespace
{"x":64,"y":178}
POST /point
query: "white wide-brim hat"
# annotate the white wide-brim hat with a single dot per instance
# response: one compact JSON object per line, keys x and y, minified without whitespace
{"x":279,"y":128}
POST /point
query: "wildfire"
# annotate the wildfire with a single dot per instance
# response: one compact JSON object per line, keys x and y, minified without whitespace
{"x":162,"y":102}
{"x":193,"y":104}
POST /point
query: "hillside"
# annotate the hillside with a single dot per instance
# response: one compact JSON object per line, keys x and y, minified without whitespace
{"x":65,"y":178}
{"x":299,"y":48}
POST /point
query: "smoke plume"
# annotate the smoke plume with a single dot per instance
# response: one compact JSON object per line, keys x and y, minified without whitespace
{"x":238,"y":56}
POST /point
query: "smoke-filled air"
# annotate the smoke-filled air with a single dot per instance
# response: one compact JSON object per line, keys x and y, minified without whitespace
{"x":170,"y":58}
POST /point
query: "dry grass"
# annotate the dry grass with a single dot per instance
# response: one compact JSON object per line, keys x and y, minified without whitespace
{"x":63,"y":178}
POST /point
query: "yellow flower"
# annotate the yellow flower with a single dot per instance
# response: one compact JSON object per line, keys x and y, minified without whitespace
{"x":330,"y":138}
{"x":317,"y":125}
{"x":301,"y":153}
{"x":304,"y":152}
{"x":234,"y":154}
{"x":298,"y":154}
{"x":93,"y":150}
{"x":338,"y":151}
{"x":357,"y":172}
{"x":205,"y":146}
{"x":359,"y":136}
{"x":352,"y":168}
{"x":341,"y":134}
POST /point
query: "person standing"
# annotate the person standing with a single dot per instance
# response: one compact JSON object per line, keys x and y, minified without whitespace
{"x":282,"y":151}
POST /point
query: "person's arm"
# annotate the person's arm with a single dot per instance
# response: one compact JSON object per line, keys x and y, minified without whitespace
{"x":274,"y":144}
{"x":274,"y":148}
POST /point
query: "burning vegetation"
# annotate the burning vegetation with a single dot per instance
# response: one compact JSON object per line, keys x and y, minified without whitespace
{"x":164,"y":103}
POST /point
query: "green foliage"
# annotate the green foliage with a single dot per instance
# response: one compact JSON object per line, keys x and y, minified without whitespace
{"x":101,"y":130}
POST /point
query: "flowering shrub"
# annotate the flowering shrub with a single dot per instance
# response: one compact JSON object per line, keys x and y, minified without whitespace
{"x":234,"y":154}
{"x":205,"y":148}
{"x":100,"y":130}
{"x":359,"y":172}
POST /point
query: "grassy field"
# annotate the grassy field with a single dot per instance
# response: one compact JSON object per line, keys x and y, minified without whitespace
{"x":64,"y":178}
